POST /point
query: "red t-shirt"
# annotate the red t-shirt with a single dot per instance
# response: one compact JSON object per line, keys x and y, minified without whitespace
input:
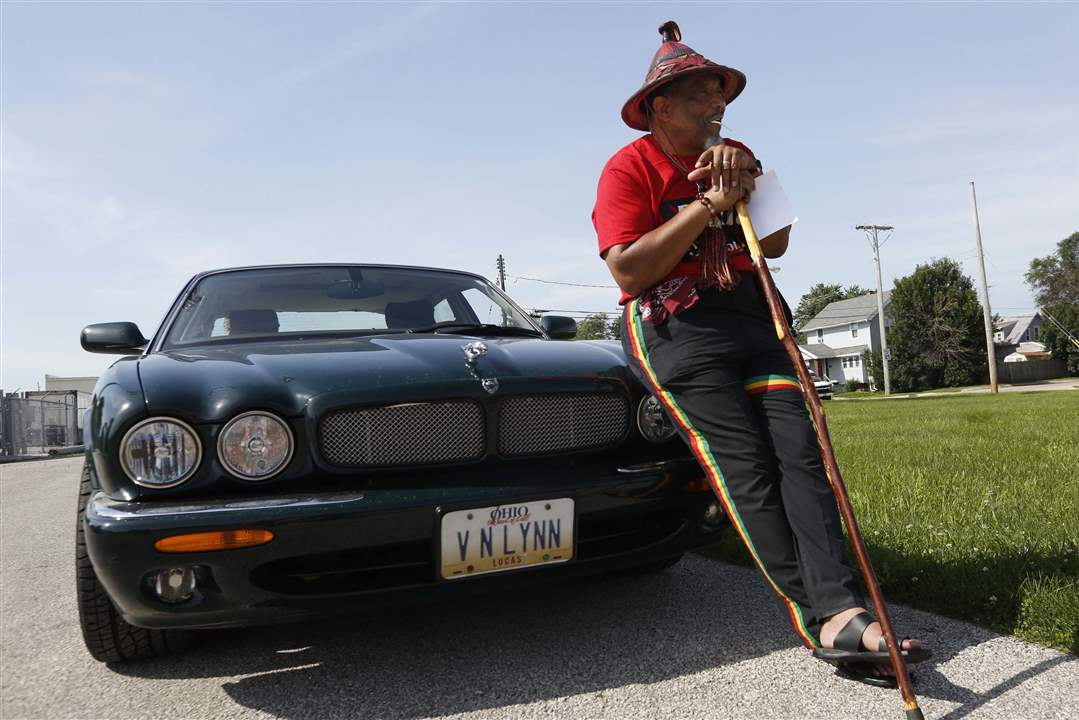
{"x":639,"y":190}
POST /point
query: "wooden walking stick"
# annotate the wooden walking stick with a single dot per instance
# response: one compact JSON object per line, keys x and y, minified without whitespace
{"x":831,"y":468}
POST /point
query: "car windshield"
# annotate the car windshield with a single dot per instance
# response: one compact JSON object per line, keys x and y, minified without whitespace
{"x":319,"y":301}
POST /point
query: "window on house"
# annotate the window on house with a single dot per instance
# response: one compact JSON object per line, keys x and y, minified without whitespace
{"x":857,"y":361}
{"x":854,"y":330}
{"x":820,"y":335}
{"x":1034,"y":331}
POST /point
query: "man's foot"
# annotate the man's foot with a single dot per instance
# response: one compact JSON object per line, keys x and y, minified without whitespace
{"x":840,"y":633}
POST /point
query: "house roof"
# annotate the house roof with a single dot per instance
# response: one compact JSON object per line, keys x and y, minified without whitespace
{"x":842,"y":312}
{"x":1013,"y":328}
{"x":820,"y":351}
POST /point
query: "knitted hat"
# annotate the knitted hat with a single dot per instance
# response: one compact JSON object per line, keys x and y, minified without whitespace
{"x":674,"y":60}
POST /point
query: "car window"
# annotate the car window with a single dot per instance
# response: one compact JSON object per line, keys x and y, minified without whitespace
{"x":484,"y":306}
{"x":307,"y":301}
{"x":443,"y":311}
{"x":337,"y":320}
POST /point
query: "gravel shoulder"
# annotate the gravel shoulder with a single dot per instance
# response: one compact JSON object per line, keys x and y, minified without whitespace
{"x":703,"y":640}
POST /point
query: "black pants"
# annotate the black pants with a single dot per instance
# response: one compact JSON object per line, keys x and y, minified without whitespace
{"x":729,"y":386}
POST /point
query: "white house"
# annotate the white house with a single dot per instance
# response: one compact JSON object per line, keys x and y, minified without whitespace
{"x":1010,"y":332}
{"x":838,"y":335}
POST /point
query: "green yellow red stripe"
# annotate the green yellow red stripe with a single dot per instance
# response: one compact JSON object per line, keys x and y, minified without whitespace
{"x":703,"y":452}
{"x":770,"y":383}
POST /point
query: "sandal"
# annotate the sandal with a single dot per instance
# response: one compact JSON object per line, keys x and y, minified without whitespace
{"x":856,"y":664}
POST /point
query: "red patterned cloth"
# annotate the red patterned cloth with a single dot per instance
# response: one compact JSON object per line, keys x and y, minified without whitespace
{"x":639,"y":190}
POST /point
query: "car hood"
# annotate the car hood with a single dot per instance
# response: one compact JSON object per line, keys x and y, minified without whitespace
{"x":211,"y":384}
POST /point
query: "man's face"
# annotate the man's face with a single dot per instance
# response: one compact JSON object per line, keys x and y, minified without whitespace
{"x":694,"y":106}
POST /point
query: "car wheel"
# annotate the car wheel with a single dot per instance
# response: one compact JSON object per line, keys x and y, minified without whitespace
{"x":108,"y":637}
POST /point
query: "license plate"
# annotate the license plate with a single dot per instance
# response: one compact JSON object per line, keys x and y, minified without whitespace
{"x":506,"y":537}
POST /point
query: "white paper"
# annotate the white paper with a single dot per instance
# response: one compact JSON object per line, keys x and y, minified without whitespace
{"x":769,"y":208}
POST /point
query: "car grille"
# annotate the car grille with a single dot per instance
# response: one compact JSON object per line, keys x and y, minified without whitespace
{"x":405,"y":434}
{"x":548,"y":424}
{"x":358,"y":570}
{"x":453,"y":431}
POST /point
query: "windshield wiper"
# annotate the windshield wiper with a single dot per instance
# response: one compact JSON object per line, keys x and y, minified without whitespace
{"x":477,"y":328}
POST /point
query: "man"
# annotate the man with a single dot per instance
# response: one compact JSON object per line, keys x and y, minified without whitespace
{"x":699,"y":335}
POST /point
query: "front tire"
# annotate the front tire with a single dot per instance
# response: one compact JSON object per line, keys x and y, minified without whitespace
{"x":108,"y":637}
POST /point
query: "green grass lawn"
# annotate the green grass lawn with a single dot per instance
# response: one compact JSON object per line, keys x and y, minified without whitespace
{"x":969,"y":506}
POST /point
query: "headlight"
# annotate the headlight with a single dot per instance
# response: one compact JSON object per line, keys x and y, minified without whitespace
{"x":653,"y":422}
{"x":160,"y":452}
{"x":255,"y":446}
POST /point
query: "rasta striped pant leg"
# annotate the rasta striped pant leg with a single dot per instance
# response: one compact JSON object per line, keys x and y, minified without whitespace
{"x":731,"y":391}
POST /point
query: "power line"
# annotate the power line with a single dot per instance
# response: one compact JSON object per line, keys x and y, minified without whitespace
{"x":1075,"y":341}
{"x":579,"y":312}
{"x":560,"y":282}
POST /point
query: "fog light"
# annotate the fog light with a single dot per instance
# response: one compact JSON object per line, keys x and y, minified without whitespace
{"x":175,"y":585}
{"x":713,"y":515}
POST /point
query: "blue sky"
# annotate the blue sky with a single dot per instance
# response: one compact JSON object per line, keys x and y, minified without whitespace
{"x":142,"y":143}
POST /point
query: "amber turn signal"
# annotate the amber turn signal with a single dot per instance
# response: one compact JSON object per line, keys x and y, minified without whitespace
{"x":217,"y":540}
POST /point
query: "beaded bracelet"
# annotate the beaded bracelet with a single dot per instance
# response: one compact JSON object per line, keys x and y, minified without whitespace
{"x":707,"y":203}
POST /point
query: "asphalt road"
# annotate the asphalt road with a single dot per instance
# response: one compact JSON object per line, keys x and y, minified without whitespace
{"x":703,"y":640}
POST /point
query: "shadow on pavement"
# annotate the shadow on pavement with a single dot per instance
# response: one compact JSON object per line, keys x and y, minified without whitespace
{"x":488,"y":652}
{"x":579,"y":637}
{"x":973,"y":700}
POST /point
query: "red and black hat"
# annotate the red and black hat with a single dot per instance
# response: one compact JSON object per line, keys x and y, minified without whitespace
{"x":674,"y":60}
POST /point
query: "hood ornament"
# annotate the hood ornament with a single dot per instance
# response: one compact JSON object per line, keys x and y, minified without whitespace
{"x":474,"y":350}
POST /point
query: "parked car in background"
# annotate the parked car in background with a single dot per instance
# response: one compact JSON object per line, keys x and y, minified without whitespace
{"x":300,"y":440}
{"x":822,"y":384}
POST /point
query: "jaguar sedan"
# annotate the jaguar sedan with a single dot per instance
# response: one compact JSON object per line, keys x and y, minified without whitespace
{"x":302,"y":440}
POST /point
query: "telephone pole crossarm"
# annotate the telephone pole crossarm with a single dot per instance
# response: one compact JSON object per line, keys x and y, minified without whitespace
{"x":501,"y":265}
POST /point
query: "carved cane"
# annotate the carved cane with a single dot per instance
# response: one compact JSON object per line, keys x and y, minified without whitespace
{"x":831,"y":468}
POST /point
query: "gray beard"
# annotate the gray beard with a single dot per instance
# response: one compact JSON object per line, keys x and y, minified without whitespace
{"x":714,"y":136}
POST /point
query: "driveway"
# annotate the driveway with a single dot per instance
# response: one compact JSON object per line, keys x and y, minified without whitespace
{"x":1046,"y":386}
{"x":703,"y":640}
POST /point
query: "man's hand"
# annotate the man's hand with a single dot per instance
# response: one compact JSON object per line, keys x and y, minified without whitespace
{"x":723,"y":165}
{"x":724,"y":199}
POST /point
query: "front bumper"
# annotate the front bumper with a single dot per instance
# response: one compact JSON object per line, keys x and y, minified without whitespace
{"x":338,"y":551}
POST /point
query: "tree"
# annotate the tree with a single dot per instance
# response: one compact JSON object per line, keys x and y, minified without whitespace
{"x":593,"y":327}
{"x":614,"y":328}
{"x":1055,"y":278}
{"x":1055,"y":282}
{"x":937,"y":338}
{"x":875,"y":365}
{"x":819,"y":296}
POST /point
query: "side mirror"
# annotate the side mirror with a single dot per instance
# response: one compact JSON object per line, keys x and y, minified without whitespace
{"x":559,"y":327}
{"x":118,"y":338}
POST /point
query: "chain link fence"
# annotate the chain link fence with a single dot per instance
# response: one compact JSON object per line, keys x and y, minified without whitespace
{"x":31,"y":426}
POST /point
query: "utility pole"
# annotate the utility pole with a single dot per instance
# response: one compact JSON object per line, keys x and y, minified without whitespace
{"x":501,"y":264}
{"x":871,"y":232}
{"x":986,"y":314}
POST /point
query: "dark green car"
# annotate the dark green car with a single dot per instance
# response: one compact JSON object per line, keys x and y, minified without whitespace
{"x":300,"y":440}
